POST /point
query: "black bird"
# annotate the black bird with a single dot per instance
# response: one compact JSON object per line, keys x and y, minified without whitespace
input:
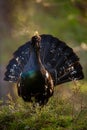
{"x":39,"y":65}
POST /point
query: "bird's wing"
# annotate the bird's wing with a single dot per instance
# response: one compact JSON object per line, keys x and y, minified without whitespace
{"x":60,"y":60}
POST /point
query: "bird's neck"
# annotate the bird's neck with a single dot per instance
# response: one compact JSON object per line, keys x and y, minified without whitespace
{"x":42,"y":68}
{"x":35,"y":67}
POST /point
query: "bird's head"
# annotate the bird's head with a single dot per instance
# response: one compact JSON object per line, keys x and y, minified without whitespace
{"x":36,"y":39}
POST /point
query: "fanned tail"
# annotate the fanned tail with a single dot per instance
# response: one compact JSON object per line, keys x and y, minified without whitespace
{"x":57,"y":57}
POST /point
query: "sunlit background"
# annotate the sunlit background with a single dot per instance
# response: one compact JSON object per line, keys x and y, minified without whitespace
{"x":65,"y":19}
{"x":19,"y":19}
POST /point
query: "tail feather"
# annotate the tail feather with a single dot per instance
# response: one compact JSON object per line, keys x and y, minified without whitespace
{"x":11,"y":77}
{"x":72,"y":73}
{"x":13,"y":71}
{"x":13,"y":64}
{"x":21,"y":49}
{"x":16,"y":65}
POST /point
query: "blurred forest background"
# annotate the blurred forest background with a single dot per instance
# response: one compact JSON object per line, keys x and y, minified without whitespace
{"x":65,"y":19}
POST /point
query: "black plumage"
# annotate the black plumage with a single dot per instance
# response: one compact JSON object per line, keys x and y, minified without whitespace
{"x":39,"y":65}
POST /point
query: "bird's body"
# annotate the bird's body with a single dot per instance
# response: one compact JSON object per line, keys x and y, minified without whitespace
{"x":39,"y":65}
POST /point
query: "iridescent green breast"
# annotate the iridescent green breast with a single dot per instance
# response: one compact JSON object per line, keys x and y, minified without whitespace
{"x":29,"y":75}
{"x":33,"y":81}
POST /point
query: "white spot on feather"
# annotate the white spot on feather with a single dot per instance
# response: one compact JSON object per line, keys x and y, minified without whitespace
{"x":17,"y":59}
{"x":14,"y":65}
{"x":47,"y":75}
